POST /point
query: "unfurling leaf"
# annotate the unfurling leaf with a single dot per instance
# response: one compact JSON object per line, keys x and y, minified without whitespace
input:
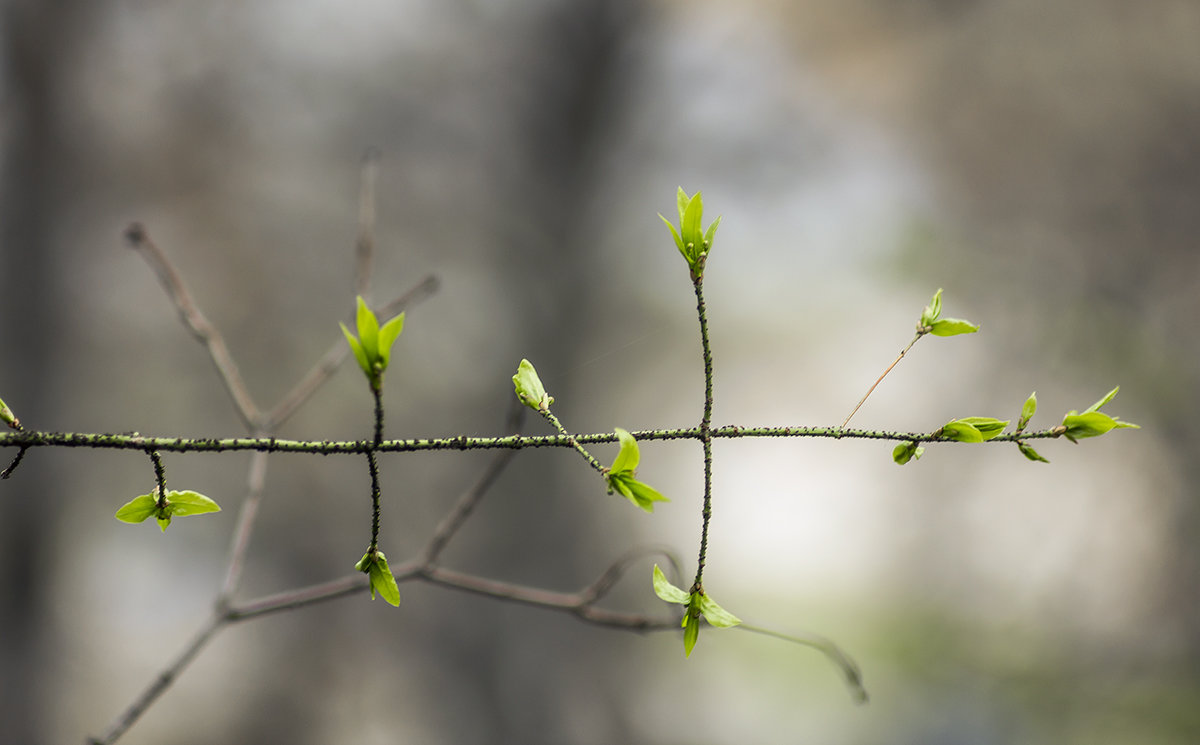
{"x":1030,"y":453}
{"x":373,"y":346}
{"x":1092,"y":423}
{"x":667,"y":591}
{"x":933,"y":310}
{"x":620,"y":476}
{"x":1027,"y":411}
{"x":374,"y":564}
{"x":8,"y":417}
{"x":987,"y":426}
{"x":692,"y":240}
{"x":906,"y":451}
{"x":628,"y":457}
{"x":530,"y":390}
{"x":932,"y":322}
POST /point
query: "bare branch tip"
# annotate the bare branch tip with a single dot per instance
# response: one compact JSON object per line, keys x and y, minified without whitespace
{"x":135,"y":234}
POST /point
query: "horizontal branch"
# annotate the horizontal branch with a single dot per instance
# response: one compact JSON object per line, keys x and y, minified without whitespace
{"x":31,"y":439}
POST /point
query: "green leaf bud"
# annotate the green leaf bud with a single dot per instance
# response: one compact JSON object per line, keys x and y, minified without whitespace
{"x":1030,"y":453}
{"x":1027,"y":411}
{"x":529,"y":388}
{"x":8,"y":417}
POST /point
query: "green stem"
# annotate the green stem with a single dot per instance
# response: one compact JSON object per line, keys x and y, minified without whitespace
{"x":705,"y":431}
{"x":104,"y":441}
{"x":572,"y":441}
{"x":160,"y":478}
{"x":373,"y":466}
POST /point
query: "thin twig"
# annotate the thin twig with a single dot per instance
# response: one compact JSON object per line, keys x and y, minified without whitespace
{"x":311,"y":595}
{"x":470,"y":499}
{"x":16,"y":461}
{"x":200,"y":326}
{"x":576,"y":603}
{"x":365,"y":244}
{"x":826,"y":646}
{"x":879,"y":380}
{"x":161,"y":683}
{"x":247,"y":516}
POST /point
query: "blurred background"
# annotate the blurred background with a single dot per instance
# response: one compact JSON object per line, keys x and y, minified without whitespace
{"x":1039,"y":161}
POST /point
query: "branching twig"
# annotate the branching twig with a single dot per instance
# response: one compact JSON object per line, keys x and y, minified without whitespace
{"x":197,"y":323}
{"x":365,"y":253}
{"x":162,"y":682}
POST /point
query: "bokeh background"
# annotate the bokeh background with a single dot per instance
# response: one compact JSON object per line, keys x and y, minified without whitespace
{"x":1039,"y":161}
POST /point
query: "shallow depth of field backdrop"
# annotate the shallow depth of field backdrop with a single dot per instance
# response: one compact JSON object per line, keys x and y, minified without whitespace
{"x":1039,"y":161}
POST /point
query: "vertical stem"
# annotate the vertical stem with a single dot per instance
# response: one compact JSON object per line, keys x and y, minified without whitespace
{"x":378,"y":393}
{"x":160,"y":478}
{"x":373,"y":465}
{"x":705,"y":430}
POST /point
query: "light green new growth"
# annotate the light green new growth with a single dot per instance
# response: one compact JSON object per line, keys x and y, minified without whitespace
{"x":529,"y":388}
{"x":373,"y":347}
{"x":375,"y":565}
{"x":693,"y":242}
{"x":697,"y":603}
{"x":8,"y":417}
{"x":621,"y":475}
{"x":175,"y":504}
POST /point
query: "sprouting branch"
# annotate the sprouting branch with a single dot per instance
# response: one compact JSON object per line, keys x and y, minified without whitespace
{"x":34,"y":439}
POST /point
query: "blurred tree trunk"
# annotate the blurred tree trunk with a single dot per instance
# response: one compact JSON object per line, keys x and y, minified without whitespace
{"x":39,"y":38}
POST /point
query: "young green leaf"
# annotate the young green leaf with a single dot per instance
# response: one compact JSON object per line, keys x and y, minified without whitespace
{"x":933,"y":323}
{"x":906,"y":451}
{"x":960,"y":431}
{"x":952,"y":327}
{"x":675,"y":235}
{"x":667,"y":591}
{"x":184,"y":503}
{"x":175,"y":504}
{"x":387,"y":337}
{"x":628,"y":457}
{"x":716,"y":615}
{"x":987,"y":426}
{"x":374,"y":564}
{"x":373,"y":346}
{"x":691,"y":630}
{"x":1107,"y":397}
{"x":1030,"y":453}
{"x":137,"y":509}
{"x":1092,"y":423}
{"x":1027,"y":411}
{"x":620,"y":475}
{"x":696,"y":604}
{"x":360,"y":354}
{"x":641,"y":494}
{"x":692,"y":240}
{"x":530,"y":390}
{"x":368,"y":330}
{"x":8,"y":417}
{"x":933,"y":310}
